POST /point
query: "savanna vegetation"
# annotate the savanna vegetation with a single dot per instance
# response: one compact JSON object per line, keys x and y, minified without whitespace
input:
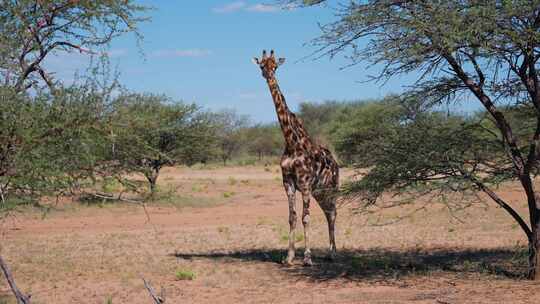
{"x":74,"y":140}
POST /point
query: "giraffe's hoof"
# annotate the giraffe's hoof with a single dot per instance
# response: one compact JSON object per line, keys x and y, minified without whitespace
{"x":308,"y":262}
{"x":288,"y":261}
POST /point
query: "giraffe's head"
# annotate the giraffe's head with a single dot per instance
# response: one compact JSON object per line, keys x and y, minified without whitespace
{"x":268,"y":64}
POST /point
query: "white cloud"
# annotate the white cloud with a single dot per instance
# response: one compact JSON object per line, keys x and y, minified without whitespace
{"x":243,"y":6}
{"x":229,"y":8}
{"x":262,"y":8}
{"x":182,"y":53}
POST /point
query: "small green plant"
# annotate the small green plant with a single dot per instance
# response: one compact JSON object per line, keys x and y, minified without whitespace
{"x":109,"y":300}
{"x":282,"y":232}
{"x":232,"y":181}
{"x":199,"y":187}
{"x":284,"y":237}
{"x":184,"y":274}
{"x":228,"y":194}
{"x":468,"y":266}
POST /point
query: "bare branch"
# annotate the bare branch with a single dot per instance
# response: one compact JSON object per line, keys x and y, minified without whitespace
{"x":21,"y":298}
{"x":157,"y":299}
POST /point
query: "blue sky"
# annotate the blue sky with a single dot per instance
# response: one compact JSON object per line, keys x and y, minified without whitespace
{"x":200,"y":51}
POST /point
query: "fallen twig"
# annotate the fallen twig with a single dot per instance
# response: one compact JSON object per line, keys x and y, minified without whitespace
{"x":157,"y":299}
{"x":21,"y":298}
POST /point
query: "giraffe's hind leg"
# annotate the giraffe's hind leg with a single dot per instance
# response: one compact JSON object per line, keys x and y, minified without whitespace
{"x":328,"y":205}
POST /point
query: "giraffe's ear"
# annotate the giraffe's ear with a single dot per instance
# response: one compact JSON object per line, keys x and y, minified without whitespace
{"x":281,"y":61}
{"x":255,"y":60}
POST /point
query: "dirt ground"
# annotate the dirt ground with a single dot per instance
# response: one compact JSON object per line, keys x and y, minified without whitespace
{"x":219,"y":237}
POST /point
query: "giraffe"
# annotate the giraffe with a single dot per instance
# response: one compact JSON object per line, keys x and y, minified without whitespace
{"x":306,"y":166}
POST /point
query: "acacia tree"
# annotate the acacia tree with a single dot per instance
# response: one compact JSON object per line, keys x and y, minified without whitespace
{"x":43,"y":128}
{"x":50,"y":142}
{"x":480,"y":51}
{"x":31,"y":30}
{"x":42,"y":137}
{"x":152,"y":131}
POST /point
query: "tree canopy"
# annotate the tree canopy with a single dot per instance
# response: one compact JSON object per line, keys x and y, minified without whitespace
{"x":152,"y":131}
{"x":33,"y":30}
{"x":462,"y":51}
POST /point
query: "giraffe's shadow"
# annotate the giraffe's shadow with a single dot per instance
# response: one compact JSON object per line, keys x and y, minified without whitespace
{"x":384,"y":264}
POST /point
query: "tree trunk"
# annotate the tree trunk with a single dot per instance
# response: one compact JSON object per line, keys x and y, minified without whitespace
{"x":152,"y":180}
{"x":533,"y":202}
{"x":534,"y":246}
{"x":533,"y":233}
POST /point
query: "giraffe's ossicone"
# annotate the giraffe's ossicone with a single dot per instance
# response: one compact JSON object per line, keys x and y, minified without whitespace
{"x":306,"y":166}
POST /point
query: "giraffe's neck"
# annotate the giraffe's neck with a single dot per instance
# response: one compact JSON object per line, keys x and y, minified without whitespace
{"x":293,"y":131}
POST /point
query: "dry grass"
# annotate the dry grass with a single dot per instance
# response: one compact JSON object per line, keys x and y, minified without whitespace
{"x":203,"y":247}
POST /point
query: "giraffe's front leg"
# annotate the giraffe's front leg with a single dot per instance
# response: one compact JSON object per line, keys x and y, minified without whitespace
{"x":290,"y":189}
{"x":305,"y":221}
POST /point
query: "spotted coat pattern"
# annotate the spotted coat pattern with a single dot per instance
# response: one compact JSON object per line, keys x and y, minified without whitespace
{"x":307,"y":167}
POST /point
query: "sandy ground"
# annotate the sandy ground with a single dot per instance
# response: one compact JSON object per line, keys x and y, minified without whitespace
{"x":220,"y":235}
